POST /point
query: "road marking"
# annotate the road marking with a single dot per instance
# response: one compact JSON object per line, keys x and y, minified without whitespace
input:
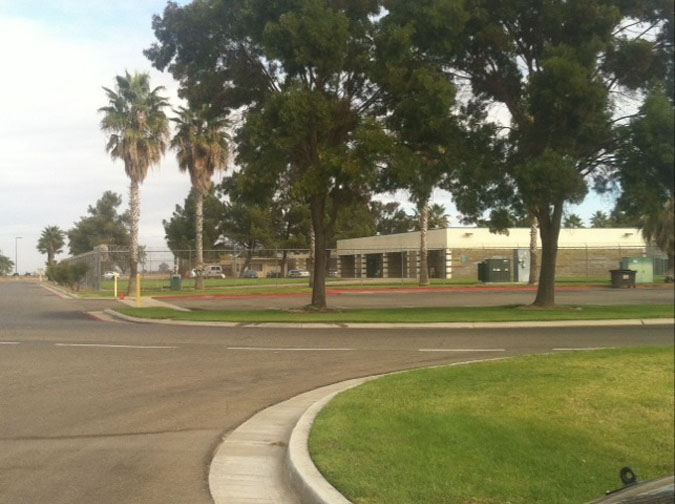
{"x":271,"y":349}
{"x":9,"y":342}
{"x":100,"y":345}
{"x":581,"y":349}
{"x":462,"y":350}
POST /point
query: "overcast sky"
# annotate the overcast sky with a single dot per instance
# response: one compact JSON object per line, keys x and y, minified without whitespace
{"x":56,"y":55}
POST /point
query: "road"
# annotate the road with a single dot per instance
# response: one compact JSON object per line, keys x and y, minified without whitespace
{"x":101,"y":412}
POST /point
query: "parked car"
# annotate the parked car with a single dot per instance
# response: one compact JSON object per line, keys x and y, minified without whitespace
{"x":109,"y":275}
{"x":249,"y":274}
{"x":332,"y":273}
{"x":298,"y":273}
{"x":210,"y":271}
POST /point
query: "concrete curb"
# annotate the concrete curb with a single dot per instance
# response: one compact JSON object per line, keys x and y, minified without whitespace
{"x":58,"y":292}
{"x":377,"y":325}
{"x":305,"y":479}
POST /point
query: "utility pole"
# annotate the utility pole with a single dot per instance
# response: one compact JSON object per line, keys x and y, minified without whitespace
{"x":16,"y":254}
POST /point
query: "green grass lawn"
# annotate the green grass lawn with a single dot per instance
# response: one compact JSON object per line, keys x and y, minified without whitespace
{"x":401,"y":315}
{"x":533,"y":430}
{"x":244,"y":286}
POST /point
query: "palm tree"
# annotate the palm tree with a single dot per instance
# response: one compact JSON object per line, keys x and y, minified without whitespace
{"x":138,"y":132}
{"x":51,"y":242}
{"x":202,"y":148}
{"x":427,"y":216}
{"x":658,"y":227}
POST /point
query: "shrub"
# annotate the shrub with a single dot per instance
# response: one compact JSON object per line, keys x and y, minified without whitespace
{"x":70,"y":275}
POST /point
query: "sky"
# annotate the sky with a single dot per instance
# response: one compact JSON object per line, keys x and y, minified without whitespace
{"x":56,"y":56}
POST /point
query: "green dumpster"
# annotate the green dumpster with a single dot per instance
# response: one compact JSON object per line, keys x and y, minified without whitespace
{"x":176,"y":282}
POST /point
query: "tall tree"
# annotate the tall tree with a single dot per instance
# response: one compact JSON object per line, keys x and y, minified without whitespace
{"x":437,"y":217}
{"x":138,"y":132}
{"x":103,"y":225}
{"x":573,"y":221}
{"x":51,"y":242}
{"x":645,"y":172}
{"x":418,"y":99}
{"x":6,"y":265}
{"x":202,"y":147}
{"x":553,"y":69}
{"x":390,"y":218}
{"x":600,"y":220}
{"x":298,"y":73}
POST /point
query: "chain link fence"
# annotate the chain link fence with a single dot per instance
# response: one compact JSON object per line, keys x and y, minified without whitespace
{"x":355,"y":264}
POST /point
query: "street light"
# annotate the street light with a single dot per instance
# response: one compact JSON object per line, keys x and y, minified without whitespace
{"x":16,"y":254}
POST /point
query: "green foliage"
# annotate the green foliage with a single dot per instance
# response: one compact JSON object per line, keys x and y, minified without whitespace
{"x":390,"y":218}
{"x":135,"y":123}
{"x":600,"y":220}
{"x":67,"y":274}
{"x":51,"y":242}
{"x":573,"y":221}
{"x":103,"y":226}
{"x":201,"y":144}
{"x":6,"y":264}
{"x":438,"y":219}
{"x":557,"y":68}
{"x":298,"y":74}
{"x":180,"y":229}
{"x":645,"y":171}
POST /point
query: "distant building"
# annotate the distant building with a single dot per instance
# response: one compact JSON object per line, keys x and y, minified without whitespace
{"x":456,"y":252}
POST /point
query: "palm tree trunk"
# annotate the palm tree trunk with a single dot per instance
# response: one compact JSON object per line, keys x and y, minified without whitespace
{"x":135,"y":211}
{"x":424,"y":227}
{"x":199,"y":233}
{"x":533,"y":251}
{"x":318,"y":274}
{"x":312,"y":255}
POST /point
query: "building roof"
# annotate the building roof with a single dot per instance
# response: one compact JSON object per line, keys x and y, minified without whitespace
{"x":475,"y":237}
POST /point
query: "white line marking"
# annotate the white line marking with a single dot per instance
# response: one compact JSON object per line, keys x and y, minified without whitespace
{"x":269,"y":349}
{"x":462,"y":350}
{"x":9,"y":342}
{"x":96,"y":345}
{"x":581,"y":349}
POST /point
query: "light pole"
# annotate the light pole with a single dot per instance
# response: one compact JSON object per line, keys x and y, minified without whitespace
{"x":16,"y":254}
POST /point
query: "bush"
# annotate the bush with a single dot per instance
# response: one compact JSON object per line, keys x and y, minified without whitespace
{"x":70,"y":275}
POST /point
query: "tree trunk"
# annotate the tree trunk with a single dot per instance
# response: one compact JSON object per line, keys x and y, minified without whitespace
{"x":549,"y":227}
{"x":424,"y":227}
{"x":199,"y":237}
{"x":50,"y":256}
{"x":135,"y":211}
{"x":534,"y":260}
{"x":312,"y":246}
{"x":319,"y":269}
{"x":284,"y":263}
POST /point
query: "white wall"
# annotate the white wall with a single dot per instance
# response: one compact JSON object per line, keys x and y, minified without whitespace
{"x":482,"y":238}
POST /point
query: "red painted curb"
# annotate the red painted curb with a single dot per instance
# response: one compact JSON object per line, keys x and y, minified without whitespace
{"x":337,"y":292}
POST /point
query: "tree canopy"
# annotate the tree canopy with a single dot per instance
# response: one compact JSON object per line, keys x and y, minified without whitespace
{"x":6,"y":264}
{"x":51,"y":242}
{"x":103,"y":225}
{"x":298,"y":72}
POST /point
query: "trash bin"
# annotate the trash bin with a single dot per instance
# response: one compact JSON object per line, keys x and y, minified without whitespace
{"x":176,"y":282}
{"x":623,"y":278}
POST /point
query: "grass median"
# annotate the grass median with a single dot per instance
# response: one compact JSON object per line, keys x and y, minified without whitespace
{"x":530,"y":430}
{"x":414,"y":315}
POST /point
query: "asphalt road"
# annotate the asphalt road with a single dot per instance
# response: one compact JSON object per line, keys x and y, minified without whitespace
{"x":438,"y":297}
{"x":101,"y":412}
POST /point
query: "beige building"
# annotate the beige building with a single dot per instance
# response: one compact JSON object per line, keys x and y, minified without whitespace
{"x":456,"y":252}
